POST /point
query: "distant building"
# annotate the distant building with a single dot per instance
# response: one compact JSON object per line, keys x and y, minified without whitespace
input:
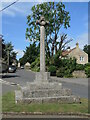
{"x":18,"y":64}
{"x":80,"y":55}
{"x":27,"y":65}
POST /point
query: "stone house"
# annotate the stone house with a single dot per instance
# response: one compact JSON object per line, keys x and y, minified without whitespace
{"x":80,"y":55}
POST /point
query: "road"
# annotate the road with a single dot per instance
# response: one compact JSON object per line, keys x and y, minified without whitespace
{"x":23,"y":76}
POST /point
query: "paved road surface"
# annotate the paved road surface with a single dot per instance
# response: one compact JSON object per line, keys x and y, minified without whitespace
{"x":23,"y":76}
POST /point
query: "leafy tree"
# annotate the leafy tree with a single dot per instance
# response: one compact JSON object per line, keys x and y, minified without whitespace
{"x":30,"y":54}
{"x":57,"y":16}
{"x":87,"y":50}
{"x":7,"y":52}
{"x":3,"y":49}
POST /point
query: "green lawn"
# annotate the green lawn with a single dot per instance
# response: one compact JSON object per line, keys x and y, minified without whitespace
{"x":8,"y":105}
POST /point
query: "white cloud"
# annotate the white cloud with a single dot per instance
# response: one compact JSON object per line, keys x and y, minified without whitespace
{"x":24,"y":9}
{"x":10,"y":13}
{"x":20,"y":53}
{"x":18,"y":8}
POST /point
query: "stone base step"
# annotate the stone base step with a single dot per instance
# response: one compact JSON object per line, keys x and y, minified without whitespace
{"x":36,"y":86}
{"x":46,"y":93}
{"x":59,"y":99}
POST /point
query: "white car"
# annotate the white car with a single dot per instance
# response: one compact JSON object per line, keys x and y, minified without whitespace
{"x":22,"y":67}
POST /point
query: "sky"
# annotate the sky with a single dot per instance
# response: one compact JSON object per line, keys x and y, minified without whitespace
{"x":15,"y":17}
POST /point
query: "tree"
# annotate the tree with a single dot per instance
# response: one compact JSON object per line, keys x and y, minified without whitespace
{"x":30,"y":54}
{"x":3,"y":49}
{"x":57,"y":16}
{"x":7,"y":52}
{"x":87,"y":50}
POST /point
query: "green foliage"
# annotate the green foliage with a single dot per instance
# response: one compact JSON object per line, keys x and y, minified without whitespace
{"x":8,"y":51}
{"x":66,"y":68}
{"x":60,"y":72}
{"x":52,"y":70}
{"x":80,"y":67}
{"x":87,"y":65}
{"x":57,"y":16}
{"x":35,"y":66}
{"x":30,"y":54}
{"x":87,"y":69}
{"x":56,"y":60}
{"x":87,"y":50}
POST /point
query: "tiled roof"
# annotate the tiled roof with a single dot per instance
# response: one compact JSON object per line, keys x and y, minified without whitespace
{"x":66,"y":52}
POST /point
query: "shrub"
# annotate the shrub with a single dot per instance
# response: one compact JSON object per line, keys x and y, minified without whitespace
{"x":87,"y":65}
{"x":66,"y":68}
{"x":68,"y":73}
{"x":60,"y":72}
{"x":87,"y":71}
{"x":52,"y":70}
{"x":80,"y":67}
{"x":35,"y":66}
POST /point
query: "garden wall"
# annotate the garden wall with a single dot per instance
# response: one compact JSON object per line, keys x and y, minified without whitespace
{"x":79,"y":74}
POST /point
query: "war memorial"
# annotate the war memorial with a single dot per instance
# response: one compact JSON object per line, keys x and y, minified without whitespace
{"x":43,"y":90}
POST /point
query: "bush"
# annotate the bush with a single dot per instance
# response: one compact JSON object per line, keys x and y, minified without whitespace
{"x":87,"y":71}
{"x":60,"y":72}
{"x":52,"y":70}
{"x":80,"y":67}
{"x":68,"y":73}
{"x":66,"y":68}
{"x":87,"y":65}
{"x":35,"y":66}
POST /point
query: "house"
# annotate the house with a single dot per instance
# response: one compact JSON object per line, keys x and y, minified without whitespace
{"x":80,"y":55}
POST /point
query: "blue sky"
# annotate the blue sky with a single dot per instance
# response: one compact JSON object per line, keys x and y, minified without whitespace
{"x":14,"y":24}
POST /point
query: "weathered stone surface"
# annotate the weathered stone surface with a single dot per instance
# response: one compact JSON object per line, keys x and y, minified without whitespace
{"x":58,"y":99}
{"x":43,"y":86}
{"x":42,"y":77}
{"x":79,"y":74}
{"x":42,"y":22}
{"x":47,"y":93}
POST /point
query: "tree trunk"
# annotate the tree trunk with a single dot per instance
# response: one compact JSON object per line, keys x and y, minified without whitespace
{"x":52,"y":50}
{"x":55,"y":35}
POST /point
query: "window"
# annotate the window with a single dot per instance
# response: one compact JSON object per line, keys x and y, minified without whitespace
{"x":81,"y":58}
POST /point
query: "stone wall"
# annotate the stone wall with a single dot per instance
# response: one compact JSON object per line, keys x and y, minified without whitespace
{"x":79,"y":74}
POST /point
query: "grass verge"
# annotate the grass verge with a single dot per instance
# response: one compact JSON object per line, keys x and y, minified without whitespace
{"x":8,"y":105}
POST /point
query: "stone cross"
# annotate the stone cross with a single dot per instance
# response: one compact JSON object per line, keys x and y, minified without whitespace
{"x":42,"y":24}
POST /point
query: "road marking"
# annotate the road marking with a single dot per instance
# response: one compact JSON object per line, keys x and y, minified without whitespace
{"x":8,"y":83}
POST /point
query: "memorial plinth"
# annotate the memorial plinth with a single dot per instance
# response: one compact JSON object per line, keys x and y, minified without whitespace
{"x":42,"y":90}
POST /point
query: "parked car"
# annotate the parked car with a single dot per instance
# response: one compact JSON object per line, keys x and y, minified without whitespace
{"x":12,"y":69}
{"x":22,"y":67}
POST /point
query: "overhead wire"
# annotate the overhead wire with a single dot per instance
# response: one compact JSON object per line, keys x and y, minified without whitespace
{"x":8,"y":6}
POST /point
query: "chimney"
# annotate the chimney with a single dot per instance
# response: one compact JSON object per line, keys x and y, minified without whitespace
{"x":68,"y":49}
{"x":77,"y":45}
